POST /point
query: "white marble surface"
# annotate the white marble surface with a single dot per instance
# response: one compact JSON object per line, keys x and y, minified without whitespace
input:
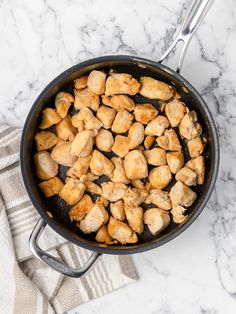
{"x":195,"y":273}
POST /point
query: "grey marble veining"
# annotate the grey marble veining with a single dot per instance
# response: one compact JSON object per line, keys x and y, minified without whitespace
{"x":196,"y":272}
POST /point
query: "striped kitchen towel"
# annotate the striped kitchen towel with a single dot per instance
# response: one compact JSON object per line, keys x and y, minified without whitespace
{"x":26,"y":284}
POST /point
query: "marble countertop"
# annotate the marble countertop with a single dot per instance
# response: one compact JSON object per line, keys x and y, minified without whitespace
{"x":196,"y":272}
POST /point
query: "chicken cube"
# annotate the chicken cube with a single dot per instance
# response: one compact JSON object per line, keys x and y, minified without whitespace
{"x":45,"y":140}
{"x":79,"y":124}
{"x":82,"y":145}
{"x":117,"y":210}
{"x":157,"y":126}
{"x":134,"y":216}
{"x":138,"y":184}
{"x":175,"y":111}
{"x":96,"y":82}
{"x":175,"y":161}
{"x":90,"y":122}
{"x":72,"y":191}
{"x":121,"y":83}
{"x":135,"y":135}
{"x":106,"y":100}
{"x":81,"y":82}
{"x":61,"y":153}
{"x":187,"y":176}
{"x":122,"y":122}
{"x":160,"y":177}
{"x":121,"y":145}
{"x":195,"y":147}
{"x":159,"y":198}
{"x":149,"y":140}
{"x":79,"y":167}
{"x":121,"y":231}
{"x":120,"y":102}
{"x":135,"y":165}
{"x":178,"y":214}
{"x":80,"y":209}
{"x":155,"y":156}
{"x":45,"y":167}
{"x":106,"y":116}
{"x":104,"y":140}
{"x":182,"y":195}
{"x":49,"y":117}
{"x":155,"y":89}
{"x":101,"y":165}
{"x":119,"y":175}
{"x":144,"y":113}
{"x":189,"y":127}
{"x":156,"y":219}
{"x":62,"y":103}
{"x":85,"y":98}
{"x":134,"y":197}
{"x":113,"y":191}
{"x":103,"y":236}
{"x":169,"y":141}
{"x":198,"y":166}
{"x":51,"y":187}
{"x":65,"y":130}
{"x":93,"y":188}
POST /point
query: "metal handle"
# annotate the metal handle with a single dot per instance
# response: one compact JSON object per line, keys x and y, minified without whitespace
{"x":194,"y":16}
{"x":52,"y":261}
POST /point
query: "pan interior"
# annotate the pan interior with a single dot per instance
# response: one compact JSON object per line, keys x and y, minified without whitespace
{"x":57,"y":207}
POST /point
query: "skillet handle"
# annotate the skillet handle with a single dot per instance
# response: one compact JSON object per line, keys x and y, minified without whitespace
{"x":52,"y":261}
{"x":194,"y":16}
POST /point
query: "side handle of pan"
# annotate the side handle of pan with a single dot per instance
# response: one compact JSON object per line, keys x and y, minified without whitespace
{"x":52,"y":261}
{"x":194,"y":16}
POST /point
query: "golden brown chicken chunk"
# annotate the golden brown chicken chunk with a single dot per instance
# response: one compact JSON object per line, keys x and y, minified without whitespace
{"x":51,"y":187}
{"x":187,"y":176}
{"x":62,"y":103}
{"x":45,"y":167}
{"x":134,"y":216}
{"x":182,"y":195}
{"x":90,"y":122}
{"x":49,"y":117}
{"x":78,"y":124}
{"x":86,"y":98}
{"x":82,"y":145}
{"x":160,"y":177}
{"x":135,"y":135}
{"x":157,"y":126}
{"x":45,"y":140}
{"x":189,"y":127}
{"x":135,"y":165}
{"x":113,"y":191}
{"x":195,"y":147}
{"x":101,"y":165}
{"x":145,"y":113}
{"x":121,"y":145}
{"x":93,"y":188}
{"x":121,"y":231}
{"x":121,"y":83}
{"x":65,"y":130}
{"x":155,"y":89}
{"x":134,"y":197}
{"x":96,"y":82}
{"x":104,"y":140}
{"x":117,"y":210}
{"x":169,"y":141}
{"x":155,"y":156}
{"x":138,"y":184}
{"x":175,"y":111}
{"x":79,"y":167}
{"x":80,"y":209}
{"x":81,"y":82}
{"x":119,"y":102}
{"x":72,"y":191}
{"x":119,"y":175}
{"x":103,"y":236}
{"x":198,"y":166}
{"x":175,"y":161}
{"x":156,"y":219}
{"x":159,"y":198}
{"x":61,"y":153}
{"x":149,"y":140}
{"x":106,"y":116}
{"x":122,"y":122}
{"x":178,"y":214}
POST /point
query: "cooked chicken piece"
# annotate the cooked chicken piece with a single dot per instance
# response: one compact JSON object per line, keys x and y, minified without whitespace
{"x":189,"y":127}
{"x":121,"y":231}
{"x":82,"y":145}
{"x":155,"y":156}
{"x":72,"y":191}
{"x":49,"y":117}
{"x":65,"y":130}
{"x":51,"y":187}
{"x":122,"y":102}
{"x":79,"y":124}
{"x":106,"y":116}
{"x":101,"y":165}
{"x":117,"y":210}
{"x":155,"y":89}
{"x":175,"y":161}
{"x":89,"y":176}
{"x":45,"y":167}
{"x":103,"y":201}
{"x":145,"y":113}
{"x":106,"y":101}
{"x":178,"y":214}
{"x":121,"y":145}
{"x":187,"y":176}
{"x":198,"y":166}
{"x":81,"y":82}
{"x":86,"y":98}
{"x":93,"y":188}
{"x":175,"y":111}
{"x":95,"y":219}
{"x":90,"y":122}
{"x":121,"y":83}
{"x":160,"y":177}
{"x":195,"y":147}
{"x":79,"y":167}
{"x":122,"y":122}
{"x":157,"y":126}
{"x":134,"y":216}
{"x":135,"y":165}
{"x":62,"y":103}
{"x":136,"y":135}
{"x":182,"y":195}
{"x":45,"y":140}
{"x":104,"y":140}
{"x":169,"y":141}
{"x":80,"y":209}
{"x":159,"y":198}
{"x":96,"y":82}
{"x":119,"y":175}
{"x":156,"y":220}
{"x":103,"y":236}
{"x":149,"y":140}
{"x":138,"y":184}
{"x":134,"y":197}
{"x":113,"y":191}
{"x":61,"y":153}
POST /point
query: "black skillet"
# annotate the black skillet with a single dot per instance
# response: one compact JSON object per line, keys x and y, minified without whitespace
{"x":59,"y":220}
